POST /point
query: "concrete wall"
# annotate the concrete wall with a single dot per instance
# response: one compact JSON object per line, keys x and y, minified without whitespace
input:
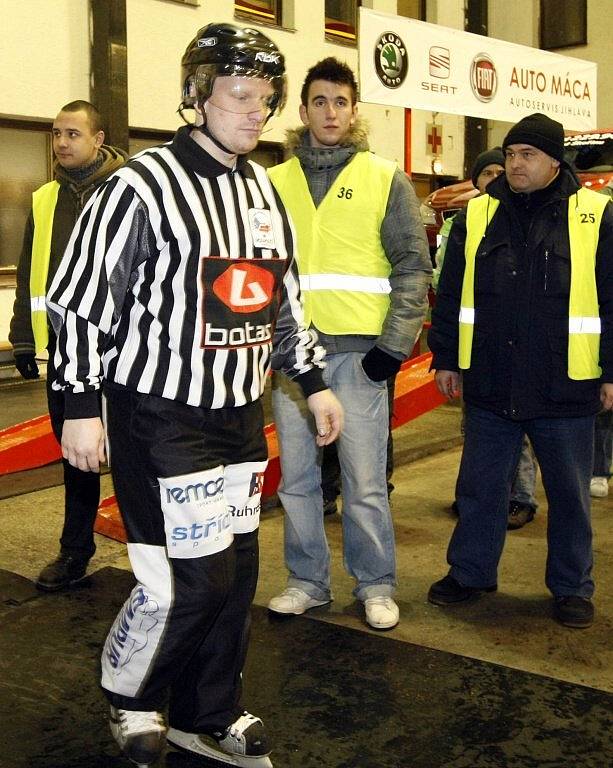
{"x":527,"y":33}
{"x":44,"y":57}
{"x":598,"y":49}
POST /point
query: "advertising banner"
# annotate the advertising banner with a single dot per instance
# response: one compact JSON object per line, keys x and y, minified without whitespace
{"x":409,"y":63}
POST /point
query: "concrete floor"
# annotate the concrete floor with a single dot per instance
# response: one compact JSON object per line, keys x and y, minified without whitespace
{"x":512,"y":628}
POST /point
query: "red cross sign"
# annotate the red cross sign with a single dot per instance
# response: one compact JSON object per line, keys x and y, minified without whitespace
{"x":435,"y":139}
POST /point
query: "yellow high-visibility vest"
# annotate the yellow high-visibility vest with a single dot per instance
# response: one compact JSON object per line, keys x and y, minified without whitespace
{"x":344,"y":272}
{"x":44,"y":201}
{"x":585,"y":210}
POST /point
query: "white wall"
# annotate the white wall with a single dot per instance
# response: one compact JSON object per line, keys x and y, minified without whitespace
{"x":44,"y":58}
{"x":44,"y":55}
{"x":598,"y":49}
{"x":526,"y":33}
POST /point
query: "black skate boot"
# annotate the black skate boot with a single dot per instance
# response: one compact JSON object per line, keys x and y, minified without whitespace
{"x":141,"y":735}
{"x":243,"y":743}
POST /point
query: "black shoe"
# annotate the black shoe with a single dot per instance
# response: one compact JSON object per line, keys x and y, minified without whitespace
{"x":519,"y":515}
{"x":62,"y":572}
{"x":448,"y":591}
{"x":573,"y":611}
{"x":330,"y":507}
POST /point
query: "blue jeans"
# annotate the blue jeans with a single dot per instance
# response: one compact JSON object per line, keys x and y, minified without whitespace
{"x":524,"y":482}
{"x":564,"y":450}
{"x":368,"y":533}
{"x":523,"y":487}
{"x":603,"y":444}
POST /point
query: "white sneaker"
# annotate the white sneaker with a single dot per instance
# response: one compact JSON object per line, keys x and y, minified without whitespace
{"x":599,"y":487}
{"x":141,"y":735}
{"x":381,"y":612}
{"x":294,"y":600}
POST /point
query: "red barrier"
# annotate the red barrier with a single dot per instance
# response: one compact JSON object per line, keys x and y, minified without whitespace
{"x":28,"y":445}
{"x":32,"y":443}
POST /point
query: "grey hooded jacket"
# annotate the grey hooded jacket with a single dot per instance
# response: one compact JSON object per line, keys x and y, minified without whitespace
{"x":402,"y":236}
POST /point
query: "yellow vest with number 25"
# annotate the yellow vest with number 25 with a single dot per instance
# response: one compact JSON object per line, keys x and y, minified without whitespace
{"x":585,"y":209}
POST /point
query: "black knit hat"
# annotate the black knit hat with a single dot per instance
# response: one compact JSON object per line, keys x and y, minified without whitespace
{"x":538,"y":131}
{"x":489,"y":157}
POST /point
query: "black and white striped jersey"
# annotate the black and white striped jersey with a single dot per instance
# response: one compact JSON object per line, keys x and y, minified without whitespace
{"x":179,"y":281}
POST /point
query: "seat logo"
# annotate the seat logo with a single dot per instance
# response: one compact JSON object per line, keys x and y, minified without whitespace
{"x":245,"y":287}
{"x":439,"y":61}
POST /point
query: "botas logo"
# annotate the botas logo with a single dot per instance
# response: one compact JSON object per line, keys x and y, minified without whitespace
{"x":245,"y":287}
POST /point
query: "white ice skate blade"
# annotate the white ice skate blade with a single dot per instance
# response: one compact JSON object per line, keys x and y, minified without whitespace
{"x":193,"y":743}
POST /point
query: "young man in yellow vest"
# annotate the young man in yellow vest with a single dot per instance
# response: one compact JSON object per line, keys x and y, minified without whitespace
{"x":82,"y":163}
{"x":525,"y":312}
{"x":364,"y":273}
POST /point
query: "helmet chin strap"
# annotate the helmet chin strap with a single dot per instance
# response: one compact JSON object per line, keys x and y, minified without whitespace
{"x":204,"y":129}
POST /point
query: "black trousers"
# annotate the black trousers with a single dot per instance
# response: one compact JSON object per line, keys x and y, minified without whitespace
{"x":81,"y":489}
{"x":188,"y":483}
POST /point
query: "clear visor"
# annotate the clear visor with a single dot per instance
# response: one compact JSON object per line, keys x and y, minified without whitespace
{"x":243,"y":95}
{"x":236,"y":90}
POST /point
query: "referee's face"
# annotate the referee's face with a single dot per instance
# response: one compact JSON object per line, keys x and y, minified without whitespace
{"x":237,"y":110}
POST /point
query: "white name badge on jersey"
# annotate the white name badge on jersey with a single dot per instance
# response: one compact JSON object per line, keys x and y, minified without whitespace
{"x":243,"y":491}
{"x":262,"y":232}
{"x":197,"y":520}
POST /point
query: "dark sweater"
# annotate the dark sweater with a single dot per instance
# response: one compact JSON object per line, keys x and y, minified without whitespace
{"x":519,"y":357}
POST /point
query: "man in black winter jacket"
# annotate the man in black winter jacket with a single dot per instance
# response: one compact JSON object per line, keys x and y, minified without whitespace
{"x":82,"y":163}
{"x":525,"y":312}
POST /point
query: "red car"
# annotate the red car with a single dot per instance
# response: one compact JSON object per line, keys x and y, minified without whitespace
{"x":589,"y":154}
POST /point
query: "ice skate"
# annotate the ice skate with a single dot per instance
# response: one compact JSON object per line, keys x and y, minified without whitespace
{"x":141,"y":735}
{"x":243,"y":743}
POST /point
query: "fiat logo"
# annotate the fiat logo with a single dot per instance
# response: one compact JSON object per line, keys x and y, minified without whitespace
{"x":483,"y":77}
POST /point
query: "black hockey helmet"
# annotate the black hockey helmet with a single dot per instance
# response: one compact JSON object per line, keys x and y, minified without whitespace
{"x":224,"y":50}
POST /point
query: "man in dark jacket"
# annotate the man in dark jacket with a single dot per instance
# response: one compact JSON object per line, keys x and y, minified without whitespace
{"x":82,"y":163}
{"x":525,"y":312}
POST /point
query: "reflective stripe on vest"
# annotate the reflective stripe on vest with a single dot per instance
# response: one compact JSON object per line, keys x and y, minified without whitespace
{"x":479,"y":213}
{"x":585,"y":210}
{"x":326,"y":282}
{"x":44,"y":201}
{"x":344,"y":272}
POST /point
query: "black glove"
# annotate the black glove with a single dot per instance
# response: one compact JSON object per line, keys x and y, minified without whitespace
{"x":26,"y":365}
{"x":378,"y":365}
